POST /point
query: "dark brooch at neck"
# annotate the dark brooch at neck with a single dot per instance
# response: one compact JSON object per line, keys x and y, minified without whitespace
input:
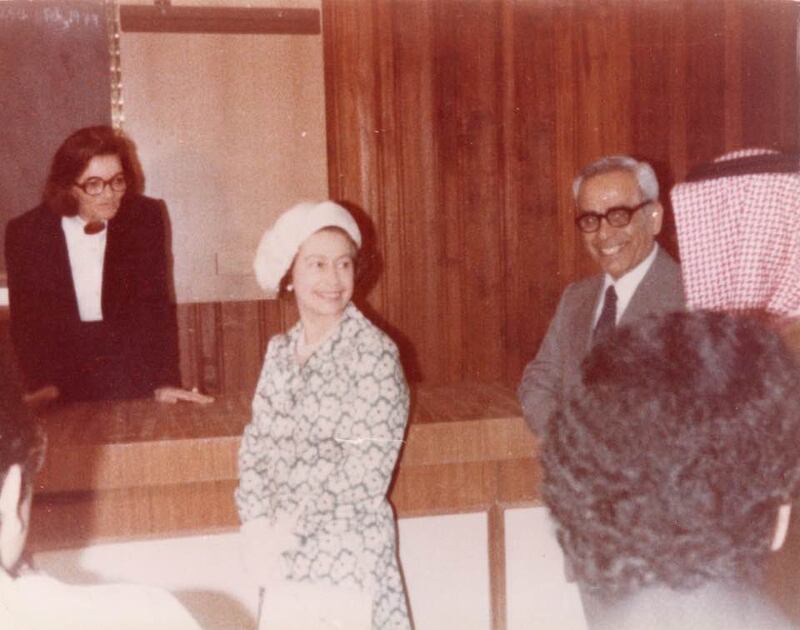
{"x":94,"y":227}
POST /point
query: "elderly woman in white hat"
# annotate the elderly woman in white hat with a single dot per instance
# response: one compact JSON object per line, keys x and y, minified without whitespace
{"x":315,"y":462}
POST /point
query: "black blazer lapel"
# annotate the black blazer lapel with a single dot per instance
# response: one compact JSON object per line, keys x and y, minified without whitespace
{"x":115,"y":275}
{"x":57,"y":274}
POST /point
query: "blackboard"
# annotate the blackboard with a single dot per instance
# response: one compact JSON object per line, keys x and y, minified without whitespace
{"x":54,"y":78}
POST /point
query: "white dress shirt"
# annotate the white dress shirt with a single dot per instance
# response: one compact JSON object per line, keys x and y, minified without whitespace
{"x":625,"y":286}
{"x":86,"y":255}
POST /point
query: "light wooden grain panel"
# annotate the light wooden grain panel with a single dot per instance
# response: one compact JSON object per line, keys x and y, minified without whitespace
{"x":533,"y":203}
{"x":458,"y":442}
{"x":443,"y":489}
{"x":734,"y":33}
{"x":677,"y":54}
{"x":770,"y":71}
{"x":566,"y":139}
{"x":346,"y":28}
{"x":705,"y":82}
{"x":497,"y":566}
{"x":421,"y":229}
{"x":386,"y":135}
{"x":121,"y":465}
{"x":450,"y":114}
{"x":241,"y":349}
{"x":480,"y":166}
{"x":518,"y":482}
{"x":77,"y":519}
{"x":658,"y":121}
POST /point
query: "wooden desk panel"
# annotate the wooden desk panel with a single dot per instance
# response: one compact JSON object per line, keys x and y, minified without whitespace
{"x":127,"y":444}
{"x":138,"y":469}
{"x":466,"y":449}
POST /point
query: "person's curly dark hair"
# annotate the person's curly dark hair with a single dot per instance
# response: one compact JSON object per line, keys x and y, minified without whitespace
{"x":668,"y":461}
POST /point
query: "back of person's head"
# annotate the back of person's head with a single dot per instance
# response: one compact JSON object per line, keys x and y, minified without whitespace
{"x":74,"y":155}
{"x":669,"y":461}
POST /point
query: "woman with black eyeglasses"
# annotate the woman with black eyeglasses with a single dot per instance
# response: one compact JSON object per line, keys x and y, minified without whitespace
{"x":89,"y":280}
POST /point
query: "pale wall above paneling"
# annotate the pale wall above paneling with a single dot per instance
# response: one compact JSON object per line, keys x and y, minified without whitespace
{"x":230,"y":131}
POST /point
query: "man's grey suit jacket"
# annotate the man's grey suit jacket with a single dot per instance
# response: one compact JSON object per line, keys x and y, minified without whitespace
{"x":557,"y":364}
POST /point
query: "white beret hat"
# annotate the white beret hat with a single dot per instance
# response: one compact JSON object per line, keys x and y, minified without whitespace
{"x":280,"y":243}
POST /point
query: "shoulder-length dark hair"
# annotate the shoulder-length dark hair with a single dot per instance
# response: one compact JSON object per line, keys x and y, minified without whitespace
{"x":74,"y":155}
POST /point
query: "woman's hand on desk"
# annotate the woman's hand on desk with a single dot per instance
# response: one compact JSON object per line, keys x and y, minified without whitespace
{"x":175,"y":394}
{"x":41,"y":396}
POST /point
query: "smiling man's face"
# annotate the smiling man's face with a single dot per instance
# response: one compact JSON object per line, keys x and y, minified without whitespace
{"x":619,"y":249}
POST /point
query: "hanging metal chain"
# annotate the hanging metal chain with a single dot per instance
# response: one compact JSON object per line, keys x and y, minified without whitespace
{"x":113,"y":29}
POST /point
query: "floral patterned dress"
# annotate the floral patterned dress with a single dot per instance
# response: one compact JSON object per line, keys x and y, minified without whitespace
{"x":320,"y":451}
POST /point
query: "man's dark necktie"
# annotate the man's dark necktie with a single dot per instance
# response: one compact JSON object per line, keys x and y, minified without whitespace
{"x":607,"y":321}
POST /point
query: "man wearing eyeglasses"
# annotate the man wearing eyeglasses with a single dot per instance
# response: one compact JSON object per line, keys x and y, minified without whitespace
{"x":619,"y":216}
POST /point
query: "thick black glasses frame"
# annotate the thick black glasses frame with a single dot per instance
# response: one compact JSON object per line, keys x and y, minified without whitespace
{"x":117,"y":183}
{"x":618,"y":216}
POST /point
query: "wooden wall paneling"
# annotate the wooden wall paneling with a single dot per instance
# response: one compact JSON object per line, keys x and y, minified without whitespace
{"x":271,"y":320}
{"x":289,"y":315}
{"x":419,"y":164}
{"x":603,"y":86}
{"x":514,"y":160}
{"x":677,"y":54}
{"x":386,"y":135}
{"x":241,"y":347}
{"x":212,"y":342}
{"x":653,"y":26}
{"x":353,"y":116}
{"x":614,"y":25}
{"x":187,"y":350}
{"x":705,"y":86}
{"x":770,"y":74}
{"x":591,"y":57}
{"x":448,"y":59}
{"x":335,"y":109}
{"x":479,"y":204}
{"x":362,"y":145}
{"x":481,"y":91}
{"x":734,"y":47}
{"x":222,"y":344}
{"x":533,"y":234}
{"x":567,"y":103}
{"x":229,"y":20}
{"x":346,"y":28}
{"x":659,"y":102}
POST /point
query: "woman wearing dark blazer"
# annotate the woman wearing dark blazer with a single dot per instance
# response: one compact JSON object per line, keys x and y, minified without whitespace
{"x":89,"y":281}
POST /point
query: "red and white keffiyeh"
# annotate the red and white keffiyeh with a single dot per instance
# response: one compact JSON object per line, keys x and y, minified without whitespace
{"x":739,"y":240}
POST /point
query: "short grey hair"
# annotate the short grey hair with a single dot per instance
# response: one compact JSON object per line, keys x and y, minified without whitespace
{"x":642,"y":171}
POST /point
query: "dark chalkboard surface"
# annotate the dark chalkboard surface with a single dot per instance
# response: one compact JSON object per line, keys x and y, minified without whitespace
{"x":54,"y":78}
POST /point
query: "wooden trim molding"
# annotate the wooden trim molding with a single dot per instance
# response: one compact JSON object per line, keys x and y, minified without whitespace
{"x":225,"y":20}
